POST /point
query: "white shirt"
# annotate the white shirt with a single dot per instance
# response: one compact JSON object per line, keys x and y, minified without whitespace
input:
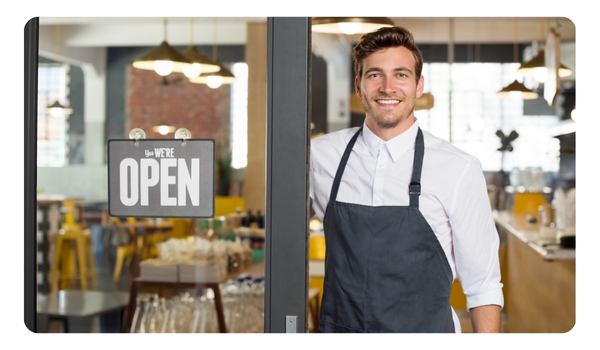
{"x":453,"y":198}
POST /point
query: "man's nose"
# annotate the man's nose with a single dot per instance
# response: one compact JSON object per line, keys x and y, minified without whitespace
{"x":387,"y":86}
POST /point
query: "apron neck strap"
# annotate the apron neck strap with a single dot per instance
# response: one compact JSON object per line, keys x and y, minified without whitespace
{"x":342,"y":166}
{"x":414,"y":189}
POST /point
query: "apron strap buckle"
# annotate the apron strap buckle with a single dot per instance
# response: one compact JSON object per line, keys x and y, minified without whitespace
{"x":414,"y":188}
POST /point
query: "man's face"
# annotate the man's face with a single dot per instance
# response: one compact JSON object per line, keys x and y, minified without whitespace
{"x":388,"y":87}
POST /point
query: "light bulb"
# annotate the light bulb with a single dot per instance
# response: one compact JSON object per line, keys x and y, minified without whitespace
{"x":163,"y":67}
{"x":214,"y":81}
{"x":56,"y":112}
{"x":163,"y":129}
{"x":573,"y":115}
{"x":193,"y":71}
{"x":515,"y":94}
{"x":350,"y":27}
{"x":540,"y":74}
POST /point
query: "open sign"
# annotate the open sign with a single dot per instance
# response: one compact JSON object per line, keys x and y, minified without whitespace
{"x":161,"y":178}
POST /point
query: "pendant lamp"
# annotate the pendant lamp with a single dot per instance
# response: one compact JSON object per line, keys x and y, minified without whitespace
{"x":200,"y":63}
{"x":215,"y":79}
{"x":163,"y":128}
{"x":349,"y":25}
{"x":536,"y":67}
{"x":57,"y":109}
{"x":163,"y":59}
{"x":517,"y":90}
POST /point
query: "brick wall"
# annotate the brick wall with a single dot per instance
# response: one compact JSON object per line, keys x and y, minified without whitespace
{"x":205,"y":112}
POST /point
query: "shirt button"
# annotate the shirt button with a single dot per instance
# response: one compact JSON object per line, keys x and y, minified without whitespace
{"x":377,"y":201}
{"x":381,"y":166}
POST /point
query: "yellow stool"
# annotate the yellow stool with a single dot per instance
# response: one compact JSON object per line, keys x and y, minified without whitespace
{"x":316,"y":251}
{"x":125,"y":247}
{"x":75,"y":260}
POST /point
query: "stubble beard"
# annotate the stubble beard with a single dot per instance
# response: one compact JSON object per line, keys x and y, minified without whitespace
{"x":383,"y":123}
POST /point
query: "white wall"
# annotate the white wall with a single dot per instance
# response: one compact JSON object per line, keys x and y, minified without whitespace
{"x":87,"y":181}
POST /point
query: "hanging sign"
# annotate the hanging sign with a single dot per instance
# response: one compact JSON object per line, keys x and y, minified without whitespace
{"x":161,"y":178}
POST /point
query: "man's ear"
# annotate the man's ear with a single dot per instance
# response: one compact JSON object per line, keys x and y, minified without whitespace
{"x":420,"y":86}
{"x":357,"y":87}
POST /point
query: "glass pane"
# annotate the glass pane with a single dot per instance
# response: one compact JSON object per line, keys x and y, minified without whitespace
{"x":184,"y":269}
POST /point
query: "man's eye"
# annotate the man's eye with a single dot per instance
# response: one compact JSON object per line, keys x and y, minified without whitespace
{"x":402,"y":75}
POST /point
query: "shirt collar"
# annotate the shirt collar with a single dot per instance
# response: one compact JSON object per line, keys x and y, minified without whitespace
{"x":396,"y":146}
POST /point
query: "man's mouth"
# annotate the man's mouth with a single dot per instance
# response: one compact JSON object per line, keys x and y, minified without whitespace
{"x":387,"y":102}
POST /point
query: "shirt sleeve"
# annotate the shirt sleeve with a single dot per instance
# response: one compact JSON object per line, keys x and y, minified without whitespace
{"x":475,"y":239}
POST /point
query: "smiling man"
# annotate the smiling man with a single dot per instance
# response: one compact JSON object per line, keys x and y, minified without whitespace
{"x":404,"y":213}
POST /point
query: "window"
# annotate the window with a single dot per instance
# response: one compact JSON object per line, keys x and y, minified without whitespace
{"x":239,"y":116}
{"x":51,"y":137}
{"x":470,"y":90}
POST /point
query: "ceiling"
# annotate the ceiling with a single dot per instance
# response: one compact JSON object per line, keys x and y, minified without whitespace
{"x":148,"y":31}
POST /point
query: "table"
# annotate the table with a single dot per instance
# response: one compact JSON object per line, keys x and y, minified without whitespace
{"x":137,"y":284}
{"x":76,"y":308}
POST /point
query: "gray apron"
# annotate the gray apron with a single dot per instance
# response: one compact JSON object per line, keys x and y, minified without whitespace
{"x":385,"y":270}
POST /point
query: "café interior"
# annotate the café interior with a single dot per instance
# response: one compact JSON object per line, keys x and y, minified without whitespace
{"x":501,"y":89}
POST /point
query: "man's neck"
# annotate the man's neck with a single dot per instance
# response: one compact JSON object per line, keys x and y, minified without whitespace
{"x":387,"y":134}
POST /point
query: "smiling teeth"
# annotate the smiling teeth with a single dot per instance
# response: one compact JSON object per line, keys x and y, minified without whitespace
{"x":388,"y":102}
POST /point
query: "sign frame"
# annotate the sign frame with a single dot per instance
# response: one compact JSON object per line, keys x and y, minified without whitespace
{"x":116,"y":212}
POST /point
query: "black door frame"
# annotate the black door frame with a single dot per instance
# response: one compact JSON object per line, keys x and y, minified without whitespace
{"x":288,"y":142}
{"x":30,"y":181}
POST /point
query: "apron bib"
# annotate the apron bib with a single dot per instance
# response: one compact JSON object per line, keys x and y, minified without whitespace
{"x":385,"y":270}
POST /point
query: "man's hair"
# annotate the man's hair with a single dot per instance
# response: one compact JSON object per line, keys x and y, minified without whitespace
{"x":381,"y":39}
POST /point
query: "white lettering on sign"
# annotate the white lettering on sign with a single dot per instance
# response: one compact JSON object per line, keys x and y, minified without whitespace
{"x":150,"y":172}
{"x":148,"y":177}
{"x":128,"y":165}
{"x":164,"y":152}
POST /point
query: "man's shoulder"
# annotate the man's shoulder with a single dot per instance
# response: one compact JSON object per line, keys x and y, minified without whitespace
{"x":334,"y":139}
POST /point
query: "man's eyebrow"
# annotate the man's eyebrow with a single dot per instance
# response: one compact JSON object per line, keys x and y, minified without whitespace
{"x":403,"y":69}
{"x":377,"y":69}
{"x":373,"y":69}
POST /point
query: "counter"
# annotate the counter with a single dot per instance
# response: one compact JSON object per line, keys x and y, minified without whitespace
{"x":548,"y":249}
{"x":538,"y":278}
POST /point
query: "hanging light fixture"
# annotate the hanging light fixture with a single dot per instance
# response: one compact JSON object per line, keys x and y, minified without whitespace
{"x":163,"y":59}
{"x":57,"y":109}
{"x":200,"y":63}
{"x":349,"y":25}
{"x":163,"y":128}
{"x":215,"y":79}
{"x":536,"y":67}
{"x":517,"y":90}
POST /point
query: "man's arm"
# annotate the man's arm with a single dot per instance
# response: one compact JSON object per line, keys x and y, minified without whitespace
{"x":486,"y":319}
